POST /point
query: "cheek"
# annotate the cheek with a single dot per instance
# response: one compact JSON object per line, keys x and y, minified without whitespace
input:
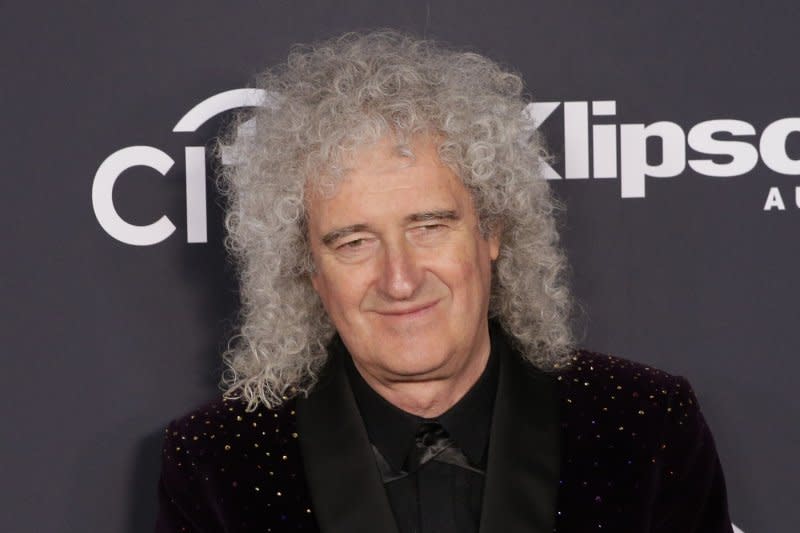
{"x":467,"y":271}
{"x":341,"y":292}
{"x":461,"y":279}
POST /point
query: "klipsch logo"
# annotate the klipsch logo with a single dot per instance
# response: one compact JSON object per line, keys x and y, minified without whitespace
{"x":728,"y":148}
{"x":148,"y":156}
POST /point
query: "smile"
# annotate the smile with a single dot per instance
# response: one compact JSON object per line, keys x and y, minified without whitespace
{"x":408,"y":312}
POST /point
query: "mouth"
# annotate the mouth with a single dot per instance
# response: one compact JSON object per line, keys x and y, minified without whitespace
{"x":408,"y":312}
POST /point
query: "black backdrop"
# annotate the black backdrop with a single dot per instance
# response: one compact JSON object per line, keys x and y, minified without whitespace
{"x":104,"y":341}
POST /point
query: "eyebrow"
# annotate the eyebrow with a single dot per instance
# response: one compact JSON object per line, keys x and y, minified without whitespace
{"x":442,"y":214}
{"x":339,"y":233}
{"x":334,"y":235}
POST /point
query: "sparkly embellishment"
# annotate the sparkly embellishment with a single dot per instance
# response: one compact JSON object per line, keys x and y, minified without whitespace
{"x":598,"y":394}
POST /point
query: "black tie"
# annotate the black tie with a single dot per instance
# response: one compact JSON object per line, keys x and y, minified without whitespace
{"x":432,"y":443}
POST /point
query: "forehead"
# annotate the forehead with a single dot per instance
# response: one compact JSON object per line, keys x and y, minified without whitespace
{"x":387,"y":178}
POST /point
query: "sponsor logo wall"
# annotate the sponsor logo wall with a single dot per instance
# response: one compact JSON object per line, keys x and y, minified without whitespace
{"x":675,"y":135}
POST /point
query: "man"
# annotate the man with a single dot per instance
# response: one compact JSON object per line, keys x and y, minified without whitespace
{"x":404,"y":361}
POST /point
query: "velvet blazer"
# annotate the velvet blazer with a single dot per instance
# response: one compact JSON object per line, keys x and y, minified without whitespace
{"x":606,"y":445}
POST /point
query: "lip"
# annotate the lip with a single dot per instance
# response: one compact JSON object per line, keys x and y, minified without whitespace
{"x":408,"y":312}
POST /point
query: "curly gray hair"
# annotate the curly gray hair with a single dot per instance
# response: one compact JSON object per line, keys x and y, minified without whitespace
{"x":351,"y":91}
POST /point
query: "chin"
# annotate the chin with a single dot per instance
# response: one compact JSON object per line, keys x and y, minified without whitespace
{"x":409,"y":359}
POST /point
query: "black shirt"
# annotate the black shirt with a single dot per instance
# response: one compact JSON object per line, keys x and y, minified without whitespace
{"x":439,"y":497}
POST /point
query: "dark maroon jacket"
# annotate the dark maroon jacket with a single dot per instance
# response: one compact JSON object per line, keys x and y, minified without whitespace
{"x":607,"y":445}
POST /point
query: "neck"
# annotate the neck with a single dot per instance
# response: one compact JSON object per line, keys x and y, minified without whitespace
{"x":429,"y":398}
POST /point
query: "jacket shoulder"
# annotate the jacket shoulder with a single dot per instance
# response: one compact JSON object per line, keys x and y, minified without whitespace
{"x":225,"y":428}
{"x":639,"y":429}
{"x":625,"y":403}
{"x":584,"y":363}
{"x":225,"y":468}
{"x":610,"y":378}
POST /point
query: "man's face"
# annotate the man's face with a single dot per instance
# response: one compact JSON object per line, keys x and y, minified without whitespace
{"x":401,"y":266}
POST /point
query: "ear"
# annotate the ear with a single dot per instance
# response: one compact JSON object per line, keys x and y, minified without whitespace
{"x":494,"y":242}
{"x":494,"y":247}
{"x":314,"y":277}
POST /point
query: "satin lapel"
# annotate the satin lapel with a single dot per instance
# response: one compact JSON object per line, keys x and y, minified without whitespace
{"x":347,"y":493}
{"x":524,"y":452}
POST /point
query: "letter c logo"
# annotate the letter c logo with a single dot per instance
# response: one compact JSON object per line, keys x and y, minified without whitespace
{"x":103,"y":187}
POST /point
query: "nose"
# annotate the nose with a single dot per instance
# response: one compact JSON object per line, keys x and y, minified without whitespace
{"x":401,"y":274}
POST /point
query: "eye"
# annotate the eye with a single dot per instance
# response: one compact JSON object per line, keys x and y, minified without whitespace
{"x":356,"y":243}
{"x":355,"y":249}
{"x":429,"y":234}
{"x":429,"y":228}
{"x":352,"y":245}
